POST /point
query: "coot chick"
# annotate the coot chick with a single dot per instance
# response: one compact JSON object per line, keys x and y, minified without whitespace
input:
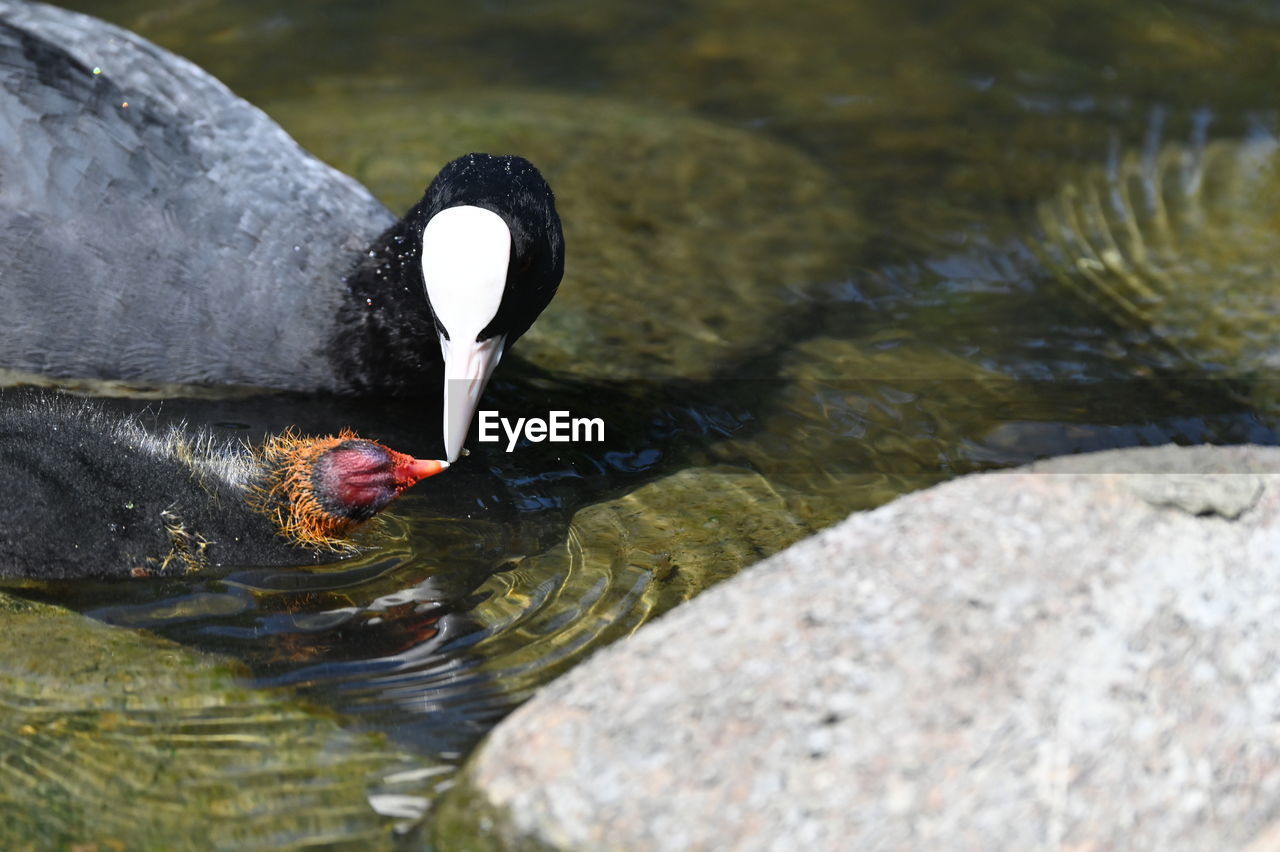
{"x":155,"y":227}
{"x":87,"y":494}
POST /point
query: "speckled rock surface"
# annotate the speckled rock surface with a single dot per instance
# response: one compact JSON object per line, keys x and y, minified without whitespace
{"x":1050,"y":657}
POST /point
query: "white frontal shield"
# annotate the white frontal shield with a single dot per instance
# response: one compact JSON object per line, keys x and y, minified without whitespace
{"x":465,"y":253}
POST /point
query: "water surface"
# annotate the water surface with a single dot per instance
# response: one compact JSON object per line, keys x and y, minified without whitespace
{"x":820,"y":254}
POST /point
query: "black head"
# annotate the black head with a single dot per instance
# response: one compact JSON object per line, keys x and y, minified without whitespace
{"x":515,"y":190}
{"x":453,"y":284}
{"x":492,"y":255}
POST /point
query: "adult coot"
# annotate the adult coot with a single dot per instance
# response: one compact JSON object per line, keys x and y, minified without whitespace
{"x":87,"y":494}
{"x":154,"y":226}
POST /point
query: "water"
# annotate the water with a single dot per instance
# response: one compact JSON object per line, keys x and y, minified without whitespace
{"x":820,"y":254}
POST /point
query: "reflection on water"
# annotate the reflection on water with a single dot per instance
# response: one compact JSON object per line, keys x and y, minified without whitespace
{"x":1179,"y":239}
{"x":818,"y":257}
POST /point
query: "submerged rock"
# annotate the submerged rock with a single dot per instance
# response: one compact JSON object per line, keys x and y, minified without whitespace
{"x":851,"y":424}
{"x":624,"y":561}
{"x":118,"y":739}
{"x":1043,"y":657}
{"x":1181,"y":242}
{"x":686,"y":532}
{"x":686,"y":240}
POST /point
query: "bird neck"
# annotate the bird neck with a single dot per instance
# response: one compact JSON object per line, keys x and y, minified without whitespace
{"x":385,"y":339}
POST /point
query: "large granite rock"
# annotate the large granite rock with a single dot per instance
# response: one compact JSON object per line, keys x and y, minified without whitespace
{"x":1082,"y":653}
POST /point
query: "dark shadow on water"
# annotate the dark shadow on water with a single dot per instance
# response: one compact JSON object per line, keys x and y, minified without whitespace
{"x":393,"y":639}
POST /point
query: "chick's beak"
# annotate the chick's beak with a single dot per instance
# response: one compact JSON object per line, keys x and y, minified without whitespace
{"x":419,"y":469}
{"x":407,"y":471}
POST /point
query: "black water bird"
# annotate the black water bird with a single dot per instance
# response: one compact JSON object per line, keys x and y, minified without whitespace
{"x":155,"y":227}
{"x":87,"y":494}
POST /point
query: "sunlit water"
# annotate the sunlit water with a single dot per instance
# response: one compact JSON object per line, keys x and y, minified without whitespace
{"x":841,"y":245}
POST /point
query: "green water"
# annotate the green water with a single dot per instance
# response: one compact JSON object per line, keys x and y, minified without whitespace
{"x":820,"y":254}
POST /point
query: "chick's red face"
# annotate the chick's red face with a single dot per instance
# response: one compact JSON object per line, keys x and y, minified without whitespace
{"x":357,"y":478}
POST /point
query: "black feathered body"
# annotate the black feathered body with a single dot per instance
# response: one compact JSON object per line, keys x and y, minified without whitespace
{"x":86,"y":494}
